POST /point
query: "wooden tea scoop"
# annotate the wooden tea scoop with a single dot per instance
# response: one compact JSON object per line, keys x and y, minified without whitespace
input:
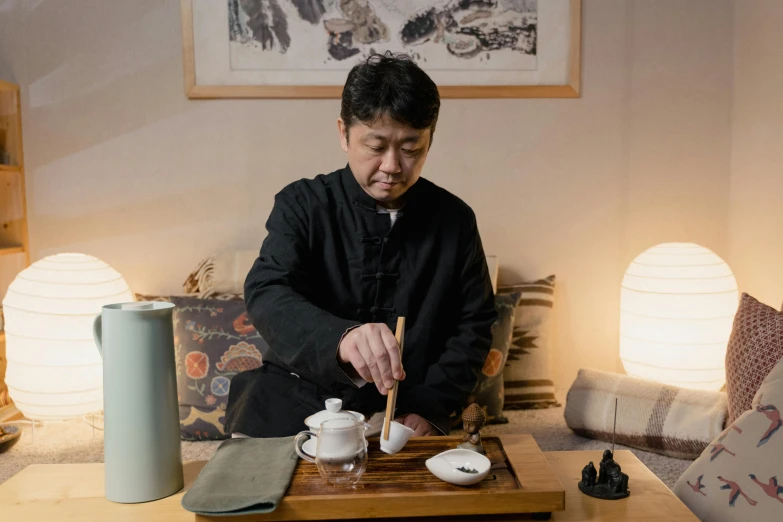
{"x":391,"y":399}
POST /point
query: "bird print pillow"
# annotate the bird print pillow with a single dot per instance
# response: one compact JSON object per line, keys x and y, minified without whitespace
{"x":739,"y":477}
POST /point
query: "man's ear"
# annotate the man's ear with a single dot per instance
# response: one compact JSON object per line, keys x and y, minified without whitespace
{"x":343,"y":130}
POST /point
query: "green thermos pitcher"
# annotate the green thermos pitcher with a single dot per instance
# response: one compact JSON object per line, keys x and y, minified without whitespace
{"x":143,"y":459}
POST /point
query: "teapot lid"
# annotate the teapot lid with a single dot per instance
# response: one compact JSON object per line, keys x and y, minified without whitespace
{"x":332,"y":411}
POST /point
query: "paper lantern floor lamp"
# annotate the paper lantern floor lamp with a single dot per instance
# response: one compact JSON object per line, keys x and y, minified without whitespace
{"x":677,"y":306}
{"x":54,"y":370}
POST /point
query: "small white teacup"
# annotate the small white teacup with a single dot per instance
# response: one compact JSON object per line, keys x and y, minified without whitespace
{"x":398,"y":437}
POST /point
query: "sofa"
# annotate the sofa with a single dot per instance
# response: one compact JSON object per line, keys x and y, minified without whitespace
{"x":216,"y":285}
{"x":212,"y":290}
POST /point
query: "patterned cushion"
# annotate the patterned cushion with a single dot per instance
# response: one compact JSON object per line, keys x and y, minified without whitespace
{"x":213,"y":341}
{"x":527,"y":375}
{"x":736,"y":479}
{"x":489,"y":388}
{"x":755,"y":346}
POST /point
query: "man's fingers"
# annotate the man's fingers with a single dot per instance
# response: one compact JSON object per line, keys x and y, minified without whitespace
{"x":358,"y":363}
{"x":357,"y":359}
{"x":393,"y":350}
{"x":418,"y":424}
{"x":375,"y":355}
{"x":420,"y":430}
{"x":382,"y":358}
{"x":370,"y":362}
{"x":363,"y":369}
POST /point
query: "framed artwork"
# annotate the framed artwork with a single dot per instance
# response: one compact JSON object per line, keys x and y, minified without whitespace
{"x":305,"y":48}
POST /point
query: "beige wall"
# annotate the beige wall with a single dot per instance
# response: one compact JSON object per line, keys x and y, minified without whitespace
{"x":756,"y":210}
{"x":122,"y":166}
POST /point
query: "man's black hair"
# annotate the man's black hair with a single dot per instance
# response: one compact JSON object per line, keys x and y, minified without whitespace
{"x":390,"y":85}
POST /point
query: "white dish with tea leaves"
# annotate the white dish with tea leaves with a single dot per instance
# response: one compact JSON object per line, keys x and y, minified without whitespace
{"x":459,"y":466}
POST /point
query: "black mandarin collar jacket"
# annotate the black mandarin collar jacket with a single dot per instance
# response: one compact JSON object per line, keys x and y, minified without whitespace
{"x":330,"y":261}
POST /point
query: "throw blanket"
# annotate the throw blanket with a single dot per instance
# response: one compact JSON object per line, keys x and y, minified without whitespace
{"x":651,"y":416}
{"x":221,"y":275}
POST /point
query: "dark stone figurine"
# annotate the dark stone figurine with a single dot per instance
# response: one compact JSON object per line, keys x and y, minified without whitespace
{"x":473,"y":419}
{"x":612,"y":483}
{"x":589,"y":475}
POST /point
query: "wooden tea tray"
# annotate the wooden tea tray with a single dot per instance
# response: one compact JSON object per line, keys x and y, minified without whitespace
{"x":400,"y":486}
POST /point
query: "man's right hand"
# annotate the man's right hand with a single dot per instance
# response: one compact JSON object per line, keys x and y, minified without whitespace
{"x":374,"y":353}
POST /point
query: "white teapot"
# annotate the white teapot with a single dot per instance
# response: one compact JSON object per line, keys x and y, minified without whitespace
{"x":340,"y":451}
{"x":333,"y":411}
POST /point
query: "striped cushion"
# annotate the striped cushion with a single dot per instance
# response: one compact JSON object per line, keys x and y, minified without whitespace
{"x":527,"y":375}
{"x":651,"y":416}
{"x":488,"y":392}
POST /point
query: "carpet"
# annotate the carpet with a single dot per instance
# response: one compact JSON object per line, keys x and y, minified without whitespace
{"x":77,"y":442}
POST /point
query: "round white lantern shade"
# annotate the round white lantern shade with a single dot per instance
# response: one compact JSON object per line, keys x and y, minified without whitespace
{"x":54,"y":368}
{"x":677,"y":305}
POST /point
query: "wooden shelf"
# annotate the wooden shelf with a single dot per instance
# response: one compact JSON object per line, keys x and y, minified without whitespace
{"x":10,"y":413}
{"x":8,"y":86}
{"x":14,"y":245}
{"x":7,"y":250}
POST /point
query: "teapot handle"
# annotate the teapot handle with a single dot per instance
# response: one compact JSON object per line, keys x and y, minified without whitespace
{"x":97,"y":329}
{"x":298,"y":447}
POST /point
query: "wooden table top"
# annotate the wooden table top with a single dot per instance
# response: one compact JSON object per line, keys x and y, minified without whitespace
{"x":74,"y":492}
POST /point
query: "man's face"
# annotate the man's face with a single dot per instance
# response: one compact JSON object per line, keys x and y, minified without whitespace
{"x":386,"y":157}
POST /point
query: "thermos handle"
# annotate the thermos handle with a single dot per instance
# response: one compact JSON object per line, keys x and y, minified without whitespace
{"x":97,"y":328}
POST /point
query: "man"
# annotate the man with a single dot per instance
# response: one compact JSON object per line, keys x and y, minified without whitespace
{"x":349,"y":252}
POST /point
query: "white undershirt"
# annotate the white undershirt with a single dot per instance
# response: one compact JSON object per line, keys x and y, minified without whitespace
{"x":392,"y":213}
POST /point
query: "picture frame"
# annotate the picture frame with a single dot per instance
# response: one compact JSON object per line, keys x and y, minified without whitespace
{"x":231,"y":62}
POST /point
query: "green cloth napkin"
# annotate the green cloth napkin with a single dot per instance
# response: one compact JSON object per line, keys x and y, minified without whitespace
{"x":245,"y":476}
